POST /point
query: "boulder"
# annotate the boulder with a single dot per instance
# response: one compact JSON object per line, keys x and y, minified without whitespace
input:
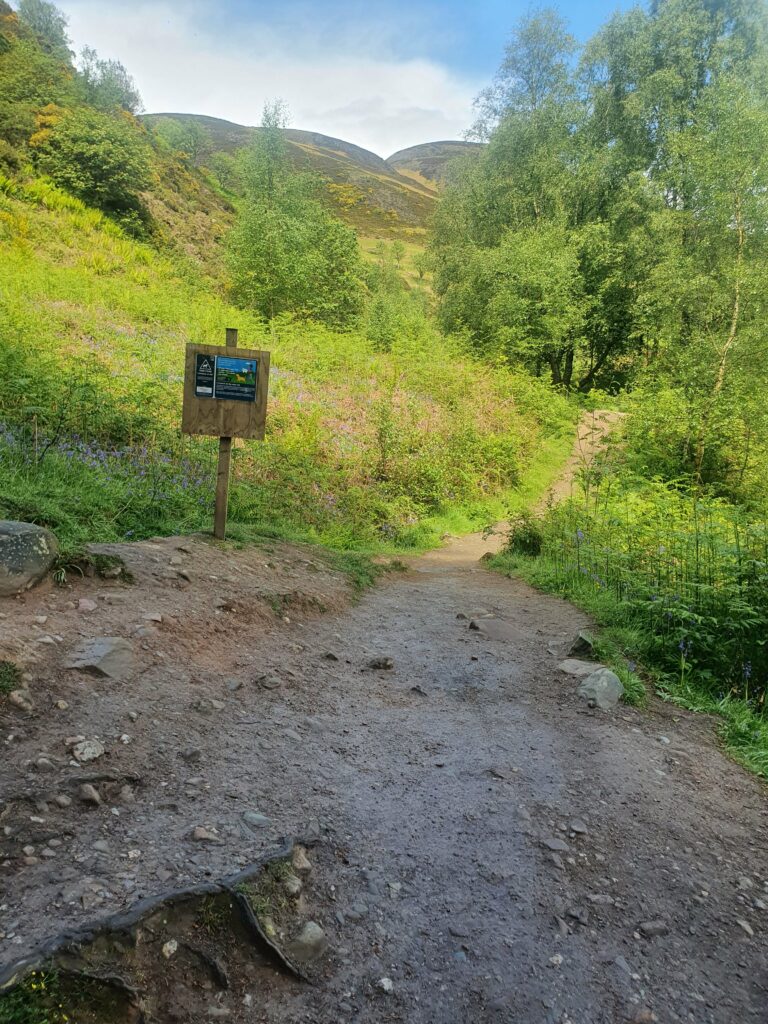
{"x":27,"y":552}
{"x":110,"y":656}
{"x":602,"y":688}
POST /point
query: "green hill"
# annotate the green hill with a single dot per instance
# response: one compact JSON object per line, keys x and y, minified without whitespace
{"x":363,"y":189}
{"x":428,"y":163}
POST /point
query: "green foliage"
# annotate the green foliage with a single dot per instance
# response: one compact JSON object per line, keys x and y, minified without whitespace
{"x":106,"y":84}
{"x":286,"y":252}
{"x":614,"y":228}
{"x":10,"y":677}
{"x":48,"y":24}
{"x":99,"y":158}
{"x":365,"y":449}
{"x":680,"y":583}
{"x":30,"y":78}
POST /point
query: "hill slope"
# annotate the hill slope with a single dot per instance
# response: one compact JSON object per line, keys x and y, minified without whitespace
{"x":428,"y":163}
{"x":366,"y":191}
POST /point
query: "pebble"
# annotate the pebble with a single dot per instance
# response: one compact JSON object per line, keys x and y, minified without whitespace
{"x":269,"y":682}
{"x":85,"y":604}
{"x":291,"y":734}
{"x":299,"y":859}
{"x":386,"y":985}
{"x":746,"y":926}
{"x":22,"y":699}
{"x":653,"y":929}
{"x":101,"y":846}
{"x":89,"y":794}
{"x":292,"y":885}
{"x":383,"y":663}
{"x":579,"y":827}
{"x":233,"y":685}
{"x":205,"y":835}
{"x":88,"y":750}
{"x":309,"y":943}
{"x":62,"y":800}
{"x":256,"y":819}
{"x":169,"y":948}
{"x":556,"y":845}
{"x":62,"y":705}
{"x":44,"y":764}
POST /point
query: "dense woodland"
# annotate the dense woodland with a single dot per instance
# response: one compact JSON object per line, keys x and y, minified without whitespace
{"x":605,"y":247}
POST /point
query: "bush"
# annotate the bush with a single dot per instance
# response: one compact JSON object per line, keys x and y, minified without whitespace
{"x":100,"y":159}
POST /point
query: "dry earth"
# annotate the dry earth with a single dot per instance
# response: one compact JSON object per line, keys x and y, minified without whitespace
{"x":477,"y":834}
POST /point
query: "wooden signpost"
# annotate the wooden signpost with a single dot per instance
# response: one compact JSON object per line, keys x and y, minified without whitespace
{"x":225,"y":396}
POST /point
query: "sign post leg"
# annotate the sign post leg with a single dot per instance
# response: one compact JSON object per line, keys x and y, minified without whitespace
{"x":222,"y":488}
{"x":222,"y":473}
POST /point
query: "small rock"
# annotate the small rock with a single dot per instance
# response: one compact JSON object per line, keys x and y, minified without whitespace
{"x":110,"y":656}
{"x":61,"y":705}
{"x":475,"y":625}
{"x":62,"y":800}
{"x":152,"y":617}
{"x":582,"y":645}
{"x":40,"y":620}
{"x":383,"y":663}
{"x":217,"y":705}
{"x":44,"y":764}
{"x":556,"y":845}
{"x":85,"y":604}
{"x":22,"y":699}
{"x":292,"y":885}
{"x":653,"y":929}
{"x":602,"y":689}
{"x":256,"y":819}
{"x":270,"y":682}
{"x":233,"y":685}
{"x":218,"y":1012}
{"x":28,"y":851}
{"x":299,"y":859}
{"x":746,"y":926}
{"x":556,"y":960}
{"x":572,"y":667}
{"x":133,"y":715}
{"x":88,"y":750}
{"x":420,"y":690}
{"x":744,"y":883}
{"x":386,"y":985}
{"x":330,"y":656}
{"x":644,"y":1016}
{"x":89,"y":794}
{"x":191,"y":754}
{"x":101,"y":846}
{"x":579,"y":827}
{"x":205,"y":835}
{"x":309,"y":944}
{"x":169,"y":948}
{"x":291,"y":734}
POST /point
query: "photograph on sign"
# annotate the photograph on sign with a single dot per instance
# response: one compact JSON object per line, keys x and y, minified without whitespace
{"x":235,"y":379}
{"x":204,"y":375}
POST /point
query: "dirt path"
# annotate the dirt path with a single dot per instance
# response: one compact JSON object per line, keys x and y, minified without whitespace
{"x":442,"y":794}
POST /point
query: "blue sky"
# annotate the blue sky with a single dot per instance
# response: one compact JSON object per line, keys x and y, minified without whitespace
{"x":384,"y":75}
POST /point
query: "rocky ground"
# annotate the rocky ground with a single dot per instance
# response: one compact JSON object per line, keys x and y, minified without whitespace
{"x":482,"y":844}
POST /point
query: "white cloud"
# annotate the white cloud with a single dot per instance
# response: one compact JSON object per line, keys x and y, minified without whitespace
{"x":359,"y":91}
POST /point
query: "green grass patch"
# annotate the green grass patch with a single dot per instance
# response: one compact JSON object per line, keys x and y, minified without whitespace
{"x":10,"y":677}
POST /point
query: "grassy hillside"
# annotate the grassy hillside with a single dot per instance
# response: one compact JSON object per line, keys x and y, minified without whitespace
{"x":364,"y":448}
{"x":364,"y":190}
{"x":428,"y":163}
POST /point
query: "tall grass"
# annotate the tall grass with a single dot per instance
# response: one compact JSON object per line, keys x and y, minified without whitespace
{"x":364,"y":448}
{"x":681,"y":582}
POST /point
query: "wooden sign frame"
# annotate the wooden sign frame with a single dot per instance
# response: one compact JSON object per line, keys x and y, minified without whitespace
{"x":206,"y":410}
{"x":221,"y":417}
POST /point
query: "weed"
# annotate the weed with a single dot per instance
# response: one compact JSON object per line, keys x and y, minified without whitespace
{"x":10,"y":676}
